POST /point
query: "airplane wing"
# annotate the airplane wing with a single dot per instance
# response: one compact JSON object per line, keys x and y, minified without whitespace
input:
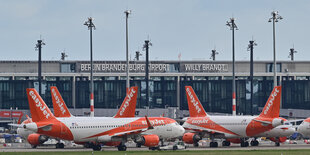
{"x":208,"y":131}
{"x":16,"y":125}
{"x":137,"y":131}
{"x":132,"y":132}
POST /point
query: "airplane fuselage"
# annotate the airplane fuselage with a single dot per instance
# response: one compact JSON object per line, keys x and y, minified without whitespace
{"x":106,"y":129}
{"x":227,"y":126}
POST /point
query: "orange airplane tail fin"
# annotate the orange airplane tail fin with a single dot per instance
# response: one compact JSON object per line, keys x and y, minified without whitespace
{"x":272,"y":106}
{"x":195,"y":107}
{"x":38,"y":108}
{"x":128,"y":106}
{"x":60,"y":107}
{"x":20,"y":118}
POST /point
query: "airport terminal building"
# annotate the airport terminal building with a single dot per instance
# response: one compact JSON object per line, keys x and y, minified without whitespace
{"x":211,"y":80}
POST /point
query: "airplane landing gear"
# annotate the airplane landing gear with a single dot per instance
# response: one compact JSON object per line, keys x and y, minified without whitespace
{"x":226,"y":143}
{"x":213,"y":144}
{"x":162,"y":142}
{"x":244,"y":143}
{"x":122,"y":147}
{"x":277,"y":142}
{"x":196,"y":144}
{"x":60,"y":145}
{"x":254,"y":142}
{"x":97,"y":147}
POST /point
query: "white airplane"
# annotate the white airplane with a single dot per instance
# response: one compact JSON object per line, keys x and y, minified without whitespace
{"x":278,"y":134}
{"x":230,"y":128}
{"x":61,"y":110}
{"x":304,"y":127}
{"x":99,"y":130}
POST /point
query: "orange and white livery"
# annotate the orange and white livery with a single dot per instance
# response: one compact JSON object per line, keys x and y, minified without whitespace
{"x":99,"y":130}
{"x":230,"y":127}
{"x":61,"y":110}
{"x":59,"y":105}
{"x":304,"y":128}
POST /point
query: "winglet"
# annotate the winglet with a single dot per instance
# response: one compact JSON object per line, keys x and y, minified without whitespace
{"x":38,"y":108}
{"x":128,"y":106}
{"x":149,"y":125}
{"x":28,"y":118}
{"x":60,"y":108}
{"x":194,"y":105}
{"x":272,"y":106}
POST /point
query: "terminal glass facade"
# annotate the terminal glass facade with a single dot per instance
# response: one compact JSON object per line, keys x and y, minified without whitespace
{"x":214,"y":93}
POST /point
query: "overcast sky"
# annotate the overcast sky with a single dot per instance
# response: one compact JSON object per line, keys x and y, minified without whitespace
{"x":190,"y":27}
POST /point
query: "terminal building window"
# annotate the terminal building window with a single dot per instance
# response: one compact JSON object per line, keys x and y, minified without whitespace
{"x":67,"y":68}
{"x":269,"y":67}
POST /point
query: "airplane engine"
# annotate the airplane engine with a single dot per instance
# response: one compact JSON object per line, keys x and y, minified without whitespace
{"x":277,"y":121}
{"x":280,"y":139}
{"x":36,"y":139}
{"x":191,"y":138}
{"x":147,"y":140}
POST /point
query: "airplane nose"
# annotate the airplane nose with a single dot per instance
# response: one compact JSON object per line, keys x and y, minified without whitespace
{"x":182,"y":130}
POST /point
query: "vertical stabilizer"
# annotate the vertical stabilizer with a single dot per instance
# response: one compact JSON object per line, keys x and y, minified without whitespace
{"x":128,"y":106}
{"x":194,"y":105}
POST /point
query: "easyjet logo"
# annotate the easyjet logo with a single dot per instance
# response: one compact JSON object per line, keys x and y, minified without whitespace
{"x":59,"y":103}
{"x":193,"y":100}
{"x":127,"y":101}
{"x":270,"y":102}
{"x":155,"y":122}
{"x":38,"y":103}
{"x":199,"y":121}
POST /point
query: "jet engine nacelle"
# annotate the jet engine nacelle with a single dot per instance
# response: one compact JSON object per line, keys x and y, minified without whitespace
{"x":147,"y":140}
{"x":277,"y":121}
{"x":280,"y":139}
{"x":36,"y":139}
{"x":191,"y":138}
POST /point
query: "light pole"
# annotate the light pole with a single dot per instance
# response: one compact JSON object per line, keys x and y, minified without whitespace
{"x":39,"y":47}
{"x":146,"y":47}
{"x":89,"y":23}
{"x":233,"y":26}
{"x":275,"y":18}
{"x":127,"y":12}
{"x":251,"y":47}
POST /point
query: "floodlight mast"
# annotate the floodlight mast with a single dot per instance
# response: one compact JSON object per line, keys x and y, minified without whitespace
{"x":146,"y":45}
{"x":275,"y":18}
{"x":292,"y":51}
{"x":39,"y":47}
{"x":127,"y":12}
{"x":233,"y":26}
{"x":213,"y":53}
{"x":250,"y":48}
{"x":89,"y":23}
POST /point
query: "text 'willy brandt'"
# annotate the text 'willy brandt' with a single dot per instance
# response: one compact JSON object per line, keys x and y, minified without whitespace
{"x":207,"y":67}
